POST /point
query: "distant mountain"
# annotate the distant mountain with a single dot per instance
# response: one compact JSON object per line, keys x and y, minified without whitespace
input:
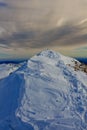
{"x":83,"y":60}
{"x":45,"y":93}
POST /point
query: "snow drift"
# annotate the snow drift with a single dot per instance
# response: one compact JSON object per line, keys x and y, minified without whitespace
{"x":46,"y":93}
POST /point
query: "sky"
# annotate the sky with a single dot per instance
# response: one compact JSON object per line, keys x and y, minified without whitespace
{"x":30,"y":26}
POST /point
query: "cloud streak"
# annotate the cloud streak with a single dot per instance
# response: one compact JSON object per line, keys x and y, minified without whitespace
{"x":37,"y":24}
{"x":66,"y":35}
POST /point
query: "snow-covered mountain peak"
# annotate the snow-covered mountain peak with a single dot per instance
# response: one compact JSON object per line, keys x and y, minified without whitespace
{"x":52,"y":58}
{"x":52,"y":87}
{"x":49,"y":54}
{"x":46,"y":93}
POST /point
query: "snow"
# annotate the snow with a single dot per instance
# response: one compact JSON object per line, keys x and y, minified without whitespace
{"x":6,"y":69}
{"x":44,"y":94}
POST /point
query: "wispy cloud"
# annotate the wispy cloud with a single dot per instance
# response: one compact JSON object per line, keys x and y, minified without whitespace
{"x":66,"y":35}
{"x":36,"y":24}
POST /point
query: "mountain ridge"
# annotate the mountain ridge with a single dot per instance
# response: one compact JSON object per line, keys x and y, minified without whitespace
{"x":46,"y":93}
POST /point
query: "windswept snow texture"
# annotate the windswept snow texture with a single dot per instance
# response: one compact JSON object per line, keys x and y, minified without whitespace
{"x":6,"y":69}
{"x":44,"y":94}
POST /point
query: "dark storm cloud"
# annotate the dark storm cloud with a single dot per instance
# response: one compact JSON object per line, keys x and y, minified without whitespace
{"x":3,"y":4}
{"x":38,"y":23}
{"x":18,"y":39}
{"x":76,"y":40}
{"x":61,"y":36}
{"x":57,"y":36}
{"x":22,"y":37}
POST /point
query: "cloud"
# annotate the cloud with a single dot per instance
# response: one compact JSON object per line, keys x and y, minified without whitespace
{"x":83,"y":21}
{"x":18,"y":39}
{"x":39,"y":14}
{"x":81,"y":48}
{"x":60,"y":22}
{"x":36,"y":24}
{"x":66,"y":35}
{"x":3,"y":4}
{"x":3,"y":46}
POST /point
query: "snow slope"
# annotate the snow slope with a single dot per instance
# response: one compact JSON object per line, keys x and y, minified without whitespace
{"x":44,"y":94}
{"x":6,"y":69}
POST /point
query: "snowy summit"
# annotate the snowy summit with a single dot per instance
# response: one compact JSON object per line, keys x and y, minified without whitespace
{"x":47,"y":92}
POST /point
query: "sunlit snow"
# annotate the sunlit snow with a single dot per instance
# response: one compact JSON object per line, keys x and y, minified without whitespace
{"x":44,"y":94}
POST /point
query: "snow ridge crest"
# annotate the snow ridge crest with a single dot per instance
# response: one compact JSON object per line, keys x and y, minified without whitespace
{"x":49,"y":54}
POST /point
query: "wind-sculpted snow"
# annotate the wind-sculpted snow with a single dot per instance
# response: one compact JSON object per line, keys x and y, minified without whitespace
{"x":6,"y":69}
{"x":54,"y":96}
{"x":44,"y":94}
